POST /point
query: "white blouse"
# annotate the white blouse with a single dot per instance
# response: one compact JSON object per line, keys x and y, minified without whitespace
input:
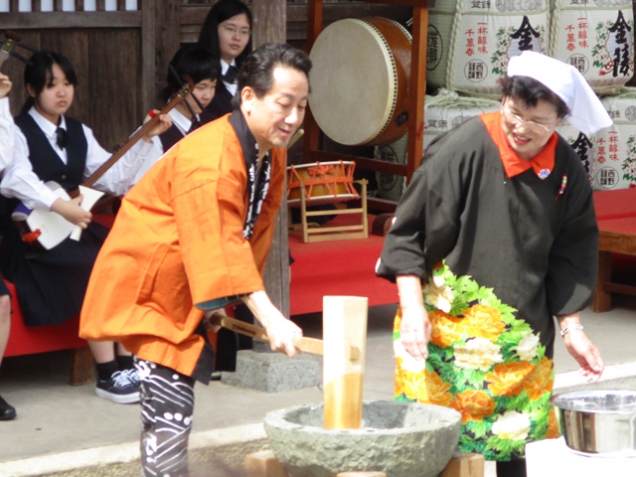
{"x":231,"y":87}
{"x":21,"y":182}
{"x":7,"y":132}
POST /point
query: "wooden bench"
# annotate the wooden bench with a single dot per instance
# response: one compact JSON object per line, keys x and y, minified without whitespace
{"x":24,"y":340}
{"x":616,"y":215}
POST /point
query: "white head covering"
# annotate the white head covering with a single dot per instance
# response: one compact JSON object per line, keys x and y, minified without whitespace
{"x":587,"y":113}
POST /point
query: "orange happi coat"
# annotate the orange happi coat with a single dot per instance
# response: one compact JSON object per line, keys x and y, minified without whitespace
{"x":178,"y":241}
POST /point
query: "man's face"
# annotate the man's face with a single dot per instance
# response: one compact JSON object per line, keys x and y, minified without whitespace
{"x":274,"y":118}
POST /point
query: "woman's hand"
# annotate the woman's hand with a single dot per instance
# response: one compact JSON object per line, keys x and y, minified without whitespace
{"x":581,"y":348}
{"x":5,"y":85}
{"x":415,"y":329}
{"x":165,"y":123}
{"x":72,"y":211}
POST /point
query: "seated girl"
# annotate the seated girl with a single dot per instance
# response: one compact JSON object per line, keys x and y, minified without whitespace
{"x":50,"y":146}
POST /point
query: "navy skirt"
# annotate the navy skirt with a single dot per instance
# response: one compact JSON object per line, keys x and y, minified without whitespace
{"x":51,"y":284}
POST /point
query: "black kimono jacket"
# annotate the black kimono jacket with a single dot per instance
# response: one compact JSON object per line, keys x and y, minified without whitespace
{"x":498,"y":257}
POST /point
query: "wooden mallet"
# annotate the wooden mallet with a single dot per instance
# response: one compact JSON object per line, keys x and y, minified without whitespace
{"x":307,"y":345}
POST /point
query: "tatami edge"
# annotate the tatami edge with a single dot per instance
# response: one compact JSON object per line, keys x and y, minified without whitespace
{"x":122,"y":453}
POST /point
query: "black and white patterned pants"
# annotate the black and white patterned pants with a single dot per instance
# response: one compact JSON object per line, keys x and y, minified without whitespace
{"x":167,"y":402}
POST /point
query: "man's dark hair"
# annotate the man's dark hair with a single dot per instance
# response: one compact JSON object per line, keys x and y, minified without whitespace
{"x":221,"y":11}
{"x":530,"y":91}
{"x":257,"y":71}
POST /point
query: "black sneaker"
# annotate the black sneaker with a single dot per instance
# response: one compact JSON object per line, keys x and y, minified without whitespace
{"x":7,"y":411}
{"x":120,"y":388}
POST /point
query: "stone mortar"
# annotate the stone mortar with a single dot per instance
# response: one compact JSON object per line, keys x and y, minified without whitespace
{"x":399,"y":438}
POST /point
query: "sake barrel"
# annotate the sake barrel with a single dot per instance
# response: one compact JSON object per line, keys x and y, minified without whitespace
{"x":442,"y":112}
{"x":582,"y":144}
{"x":596,"y":37}
{"x":471,"y":41}
{"x":615,"y":147}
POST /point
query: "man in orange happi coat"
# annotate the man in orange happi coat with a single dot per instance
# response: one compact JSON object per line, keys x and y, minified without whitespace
{"x":194,"y":233}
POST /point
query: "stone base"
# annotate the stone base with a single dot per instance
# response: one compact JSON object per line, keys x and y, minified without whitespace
{"x":273,"y":372}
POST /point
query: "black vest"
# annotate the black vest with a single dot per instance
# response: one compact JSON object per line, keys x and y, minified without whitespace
{"x":174,"y":134}
{"x":170,"y":137}
{"x":46,"y":163}
{"x":221,"y":104}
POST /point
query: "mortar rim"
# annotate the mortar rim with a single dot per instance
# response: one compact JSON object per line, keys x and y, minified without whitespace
{"x":275,"y":419}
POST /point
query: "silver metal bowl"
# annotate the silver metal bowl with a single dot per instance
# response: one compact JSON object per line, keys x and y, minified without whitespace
{"x":598,"y":422}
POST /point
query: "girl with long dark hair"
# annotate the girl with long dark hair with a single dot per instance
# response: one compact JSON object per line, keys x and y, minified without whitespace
{"x":50,"y":146}
{"x":227,"y":33}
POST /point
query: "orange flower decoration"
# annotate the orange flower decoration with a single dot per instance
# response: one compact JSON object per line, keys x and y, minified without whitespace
{"x":540,"y":380}
{"x":553,"y":426}
{"x":397,"y":321}
{"x":485,"y":321}
{"x":508,"y":379}
{"x":429,"y":388}
{"x":446,"y":329}
{"x":473,"y":405}
{"x":399,"y":378}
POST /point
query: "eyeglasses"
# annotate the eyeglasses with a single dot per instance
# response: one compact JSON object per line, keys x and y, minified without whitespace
{"x":232,"y":30}
{"x":529,"y":125}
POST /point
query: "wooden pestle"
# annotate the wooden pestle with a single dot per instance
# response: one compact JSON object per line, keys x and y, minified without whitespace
{"x":344,"y":324}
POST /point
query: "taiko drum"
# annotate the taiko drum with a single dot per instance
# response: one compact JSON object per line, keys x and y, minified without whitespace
{"x":359,"y":80}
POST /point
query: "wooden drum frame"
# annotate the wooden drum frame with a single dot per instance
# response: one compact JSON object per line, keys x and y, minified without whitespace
{"x":323,"y":183}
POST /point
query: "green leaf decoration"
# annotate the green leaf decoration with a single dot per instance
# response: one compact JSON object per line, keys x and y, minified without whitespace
{"x":479,"y":429}
{"x":403,"y":398}
{"x":475,"y":378}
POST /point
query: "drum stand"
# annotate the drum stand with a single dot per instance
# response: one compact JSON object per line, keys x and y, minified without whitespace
{"x":340,"y":232}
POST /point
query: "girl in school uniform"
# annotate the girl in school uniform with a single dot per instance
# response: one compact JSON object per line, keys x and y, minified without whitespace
{"x":227,"y":33}
{"x":7,"y":411}
{"x":199,"y":65}
{"x":50,"y":146}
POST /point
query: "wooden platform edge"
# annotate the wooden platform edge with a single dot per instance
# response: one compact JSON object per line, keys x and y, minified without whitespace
{"x":265,"y":464}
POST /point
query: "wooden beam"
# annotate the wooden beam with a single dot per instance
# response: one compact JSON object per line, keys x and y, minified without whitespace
{"x":51,"y":20}
{"x":148,"y":53}
{"x":14,"y":6}
{"x":361,"y":474}
{"x":464,"y":464}
{"x":417,"y":90}
{"x":269,"y":27}
{"x":602,"y":297}
{"x":263,"y":464}
{"x":79,"y":5}
{"x":81,"y":367}
{"x":58,"y":5}
{"x":167,"y":34}
{"x":270,"y":20}
{"x":100,"y":5}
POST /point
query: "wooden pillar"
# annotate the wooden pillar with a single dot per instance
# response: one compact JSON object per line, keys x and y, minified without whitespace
{"x":270,"y":20}
{"x":148,"y":52}
{"x":167,"y":33}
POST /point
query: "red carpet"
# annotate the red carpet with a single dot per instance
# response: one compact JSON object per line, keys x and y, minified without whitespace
{"x":341,"y":267}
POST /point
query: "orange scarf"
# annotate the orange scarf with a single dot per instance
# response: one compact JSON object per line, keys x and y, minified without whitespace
{"x":542,"y":163}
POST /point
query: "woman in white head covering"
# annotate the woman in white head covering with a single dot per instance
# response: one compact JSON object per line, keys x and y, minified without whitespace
{"x":495,"y":235}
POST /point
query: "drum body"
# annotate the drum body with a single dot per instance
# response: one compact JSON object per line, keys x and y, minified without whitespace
{"x":325,"y":183}
{"x":359,"y":80}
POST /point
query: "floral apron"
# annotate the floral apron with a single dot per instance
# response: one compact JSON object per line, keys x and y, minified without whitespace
{"x":483,"y":362}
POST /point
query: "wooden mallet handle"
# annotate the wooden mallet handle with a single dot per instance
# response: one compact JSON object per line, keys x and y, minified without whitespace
{"x":308,"y":345}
